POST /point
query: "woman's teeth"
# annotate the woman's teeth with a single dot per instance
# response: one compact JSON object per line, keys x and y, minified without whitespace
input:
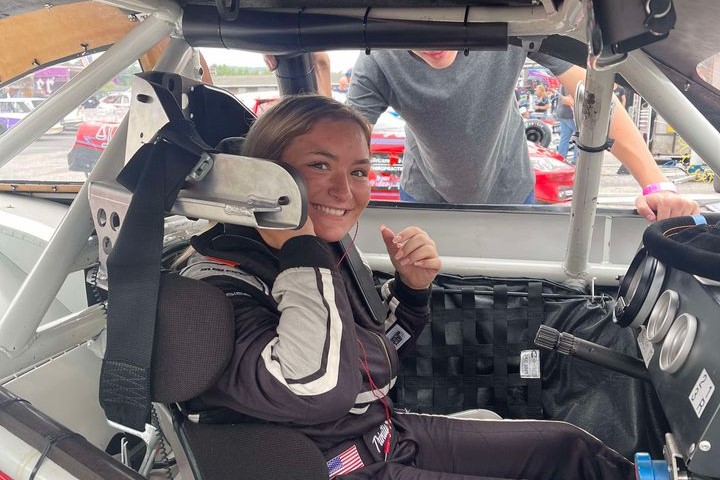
{"x":330,"y":211}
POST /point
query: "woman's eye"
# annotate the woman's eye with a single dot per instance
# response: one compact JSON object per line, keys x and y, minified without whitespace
{"x":360,"y":173}
{"x":320,"y":165}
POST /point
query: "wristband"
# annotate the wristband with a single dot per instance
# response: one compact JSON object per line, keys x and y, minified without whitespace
{"x":659,"y":187}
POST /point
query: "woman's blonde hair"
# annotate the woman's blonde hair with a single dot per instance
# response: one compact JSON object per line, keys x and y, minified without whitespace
{"x":292,"y":117}
{"x":540,"y":90}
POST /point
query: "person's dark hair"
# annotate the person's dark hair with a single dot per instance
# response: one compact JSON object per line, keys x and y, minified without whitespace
{"x":291,"y":117}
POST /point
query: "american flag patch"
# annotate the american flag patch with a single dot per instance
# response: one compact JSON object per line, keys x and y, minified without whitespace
{"x":346,"y":462}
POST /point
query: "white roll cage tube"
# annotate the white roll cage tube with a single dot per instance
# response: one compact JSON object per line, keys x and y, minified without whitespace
{"x":24,"y":314}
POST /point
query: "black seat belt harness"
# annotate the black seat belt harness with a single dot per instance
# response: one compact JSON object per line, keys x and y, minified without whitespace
{"x":155,"y":175}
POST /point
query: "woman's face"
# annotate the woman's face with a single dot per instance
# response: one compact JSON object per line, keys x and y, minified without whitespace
{"x":334,"y":159}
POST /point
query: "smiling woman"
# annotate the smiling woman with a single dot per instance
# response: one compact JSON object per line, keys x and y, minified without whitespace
{"x":336,"y":173}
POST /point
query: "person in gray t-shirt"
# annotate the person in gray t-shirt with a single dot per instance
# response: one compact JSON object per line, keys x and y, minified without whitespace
{"x":465,"y":139}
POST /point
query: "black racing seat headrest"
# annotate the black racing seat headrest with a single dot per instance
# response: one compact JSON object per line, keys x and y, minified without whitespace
{"x":231,"y":145}
{"x":690,"y":244}
{"x":194,"y":338}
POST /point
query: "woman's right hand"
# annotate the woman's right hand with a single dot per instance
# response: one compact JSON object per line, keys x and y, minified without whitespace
{"x":277,"y":238}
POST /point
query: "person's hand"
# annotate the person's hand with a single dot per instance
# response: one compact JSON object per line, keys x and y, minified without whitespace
{"x":271,"y":62}
{"x":277,"y":238}
{"x":414,"y":256}
{"x":662,"y":205}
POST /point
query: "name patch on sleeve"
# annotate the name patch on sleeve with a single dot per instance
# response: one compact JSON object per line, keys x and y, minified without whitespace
{"x":397,"y":336}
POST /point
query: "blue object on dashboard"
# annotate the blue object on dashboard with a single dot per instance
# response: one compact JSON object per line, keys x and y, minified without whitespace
{"x":649,"y":469}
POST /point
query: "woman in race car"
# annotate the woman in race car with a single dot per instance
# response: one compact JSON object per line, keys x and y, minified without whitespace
{"x":310,"y":355}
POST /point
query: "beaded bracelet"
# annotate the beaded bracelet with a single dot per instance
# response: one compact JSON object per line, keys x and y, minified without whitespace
{"x":659,"y":187}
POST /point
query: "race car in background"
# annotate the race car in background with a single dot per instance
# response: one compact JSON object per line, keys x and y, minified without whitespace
{"x":553,"y":177}
{"x":13,"y":110}
{"x":101,"y":119}
{"x":90,"y":141}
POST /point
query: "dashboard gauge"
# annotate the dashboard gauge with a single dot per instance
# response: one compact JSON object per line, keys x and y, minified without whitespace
{"x":662,"y":315}
{"x":678,"y":343}
{"x":638,"y":290}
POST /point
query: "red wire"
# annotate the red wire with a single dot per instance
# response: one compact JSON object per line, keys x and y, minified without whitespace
{"x":375,"y":389}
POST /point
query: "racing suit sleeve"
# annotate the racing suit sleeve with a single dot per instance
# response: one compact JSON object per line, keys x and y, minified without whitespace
{"x":408,"y":313}
{"x":369,"y":91}
{"x":302,"y":366}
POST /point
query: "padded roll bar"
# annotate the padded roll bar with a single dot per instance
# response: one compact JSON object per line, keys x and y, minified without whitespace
{"x":285,"y":32}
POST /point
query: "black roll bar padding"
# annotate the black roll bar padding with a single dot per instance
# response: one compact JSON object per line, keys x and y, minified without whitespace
{"x":289,"y":32}
{"x":295,"y":74}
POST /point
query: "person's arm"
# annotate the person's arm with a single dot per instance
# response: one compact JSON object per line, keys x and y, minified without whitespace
{"x":321,"y":63}
{"x":301,"y":365}
{"x":408,"y":313}
{"x":631,"y":150}
{"x":369,"y":91}
{"x":415,"y":258}
{"x":623,"y":99}
{"x":567,"y":100}
{"x":620,"y":94}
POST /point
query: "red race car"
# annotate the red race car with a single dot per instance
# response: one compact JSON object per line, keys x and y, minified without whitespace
{"x":553,"y":177}
{"x":90,"y":141}
{"x":97,"y":127}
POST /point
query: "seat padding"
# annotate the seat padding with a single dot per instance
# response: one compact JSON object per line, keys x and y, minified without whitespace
{"x":194,"y":338}
{"x":253,"y":452}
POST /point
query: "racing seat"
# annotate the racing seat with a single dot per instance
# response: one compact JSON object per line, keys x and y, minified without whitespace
{"x":169,"y":338}
{"x":193,"y":344}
